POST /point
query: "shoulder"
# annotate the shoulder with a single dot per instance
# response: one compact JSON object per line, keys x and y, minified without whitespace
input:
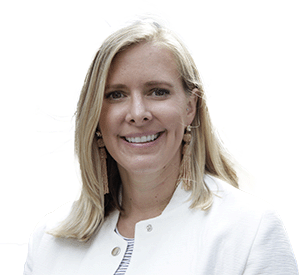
{"x":40,"y":241}
{"x":251,"y":224}
{"x":239,"y":213}
{"x":234,"y":200}
{"x":47,"y":223}
{"x":53,"y":219}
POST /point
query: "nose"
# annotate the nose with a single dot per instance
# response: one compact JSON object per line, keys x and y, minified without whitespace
{"x":138,"y":111}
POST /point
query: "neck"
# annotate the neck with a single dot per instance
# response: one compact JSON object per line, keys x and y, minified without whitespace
{"x":146,"y":193}
{"x":146,"y":196}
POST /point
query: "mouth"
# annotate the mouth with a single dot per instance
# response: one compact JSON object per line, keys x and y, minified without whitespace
{"x":143,"y":139}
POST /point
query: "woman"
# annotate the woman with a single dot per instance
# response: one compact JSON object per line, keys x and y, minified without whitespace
{"x":159,"y":194}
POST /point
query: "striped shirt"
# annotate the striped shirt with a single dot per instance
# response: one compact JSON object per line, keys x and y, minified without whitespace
{"x":127,"y":256}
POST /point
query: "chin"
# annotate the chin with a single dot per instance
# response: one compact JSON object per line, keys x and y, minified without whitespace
{"x":142,"y":169}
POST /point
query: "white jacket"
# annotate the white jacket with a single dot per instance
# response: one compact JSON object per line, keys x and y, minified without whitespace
{"x":238,"y":235}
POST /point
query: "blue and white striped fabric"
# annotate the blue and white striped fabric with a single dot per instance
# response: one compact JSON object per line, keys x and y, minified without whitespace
{"x":127,"y":256}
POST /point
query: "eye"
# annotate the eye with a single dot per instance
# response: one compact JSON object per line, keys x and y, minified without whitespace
{"x":114,"y":95}
{"x":160,"y":92}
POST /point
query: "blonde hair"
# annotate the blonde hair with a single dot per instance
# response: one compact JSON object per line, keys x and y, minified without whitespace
{"x":208,"y":155}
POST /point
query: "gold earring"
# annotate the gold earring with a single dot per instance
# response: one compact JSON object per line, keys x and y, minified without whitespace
{"x":186,"y":172}
{"x":103,"y":157}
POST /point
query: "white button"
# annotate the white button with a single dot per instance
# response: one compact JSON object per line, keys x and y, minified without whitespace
{"x":116,"y":251}
{"x":149,"y":227}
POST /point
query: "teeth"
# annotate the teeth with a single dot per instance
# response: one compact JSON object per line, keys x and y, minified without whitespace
{"x":142,"y":139}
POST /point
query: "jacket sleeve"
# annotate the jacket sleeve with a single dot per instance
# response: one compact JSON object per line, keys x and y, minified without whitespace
{"x":33,"y":245}
{"x":271,"y":252}
{"x":28,"y":263}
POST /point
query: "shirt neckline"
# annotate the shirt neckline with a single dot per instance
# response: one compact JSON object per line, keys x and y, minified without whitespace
{"x":126,"y":239}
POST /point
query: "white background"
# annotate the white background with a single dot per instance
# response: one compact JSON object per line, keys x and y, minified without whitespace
{"x":248,"y":56}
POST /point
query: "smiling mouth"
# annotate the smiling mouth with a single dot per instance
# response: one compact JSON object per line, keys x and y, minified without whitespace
{"x":142,"y":139}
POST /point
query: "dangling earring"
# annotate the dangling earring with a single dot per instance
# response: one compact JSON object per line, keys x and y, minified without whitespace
{"x":186,"y":166}
{"x":103,"y":157}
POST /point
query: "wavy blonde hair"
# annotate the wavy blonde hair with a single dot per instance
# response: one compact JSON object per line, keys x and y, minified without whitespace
{"x":208,"y":155}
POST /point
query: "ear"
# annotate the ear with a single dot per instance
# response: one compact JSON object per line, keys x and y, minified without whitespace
{"x":192,"y":105}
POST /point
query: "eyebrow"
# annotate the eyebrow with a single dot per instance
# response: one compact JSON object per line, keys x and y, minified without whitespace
{"x":147,"y":84}
{"x":154,"y":83}
{"x":115,"y":86}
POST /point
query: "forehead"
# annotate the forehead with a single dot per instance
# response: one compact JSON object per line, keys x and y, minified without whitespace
{"x":146,"y":61}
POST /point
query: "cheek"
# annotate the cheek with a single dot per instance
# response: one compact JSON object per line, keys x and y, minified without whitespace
{"x":108,"y":116}
{"x":174,"y":115}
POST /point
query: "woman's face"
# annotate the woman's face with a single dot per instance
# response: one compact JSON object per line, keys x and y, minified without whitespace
{"x":145,"y":110}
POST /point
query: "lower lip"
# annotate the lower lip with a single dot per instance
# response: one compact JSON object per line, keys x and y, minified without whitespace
{"x":143,"y":144}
